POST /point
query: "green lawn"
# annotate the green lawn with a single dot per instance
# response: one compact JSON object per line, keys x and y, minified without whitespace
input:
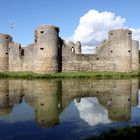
{"x":96,"y":75}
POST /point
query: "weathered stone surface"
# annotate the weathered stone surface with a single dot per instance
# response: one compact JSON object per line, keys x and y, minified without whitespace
{"x":135,"y":55}
{"x":46,"y":49}
{"x":49,"y":53}
{"x":4,"y":51}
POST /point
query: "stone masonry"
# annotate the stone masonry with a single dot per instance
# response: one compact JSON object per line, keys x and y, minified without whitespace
{"x":49,"y":53}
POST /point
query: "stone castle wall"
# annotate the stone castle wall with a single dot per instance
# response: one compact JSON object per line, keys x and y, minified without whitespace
{"x":85,"y":62}
{"x":75,"y":61}
{"x":4,"y":52}
{"x":49,"y":53}
{"x":135,"y":55}
{"x":119,"y":53}
{"x":21,"y":59}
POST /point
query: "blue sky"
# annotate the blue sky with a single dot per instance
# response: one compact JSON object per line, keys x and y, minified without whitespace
{"x":28,"y":14}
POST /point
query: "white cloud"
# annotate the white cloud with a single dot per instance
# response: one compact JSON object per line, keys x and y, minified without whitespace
{"x":136,"y":33}
{"x":92,"y":112}
{"x":94,"y":26}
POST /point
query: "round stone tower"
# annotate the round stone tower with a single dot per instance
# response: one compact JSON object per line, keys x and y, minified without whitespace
{"x":120,"y":44}
{"x":4,"y":50}
{"x":46,"y":49}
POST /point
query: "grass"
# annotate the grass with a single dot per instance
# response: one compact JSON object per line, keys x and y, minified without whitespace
{"x":96,"y":75}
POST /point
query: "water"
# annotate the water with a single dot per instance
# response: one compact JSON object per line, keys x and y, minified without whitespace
{"x":67,"y":109}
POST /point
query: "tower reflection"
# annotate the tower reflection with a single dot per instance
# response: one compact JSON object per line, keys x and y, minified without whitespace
{"x":50,"y":97}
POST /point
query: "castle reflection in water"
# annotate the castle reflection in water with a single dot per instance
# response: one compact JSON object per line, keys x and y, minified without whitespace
{"x":49,"y":98}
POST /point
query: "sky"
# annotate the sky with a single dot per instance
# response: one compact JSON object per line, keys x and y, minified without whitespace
{"x":85,"y":20}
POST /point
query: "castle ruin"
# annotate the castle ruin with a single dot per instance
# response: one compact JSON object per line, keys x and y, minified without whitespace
{"x":49,"y":53}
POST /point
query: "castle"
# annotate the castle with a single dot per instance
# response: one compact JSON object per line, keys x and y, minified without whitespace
{"x":49,"y":53}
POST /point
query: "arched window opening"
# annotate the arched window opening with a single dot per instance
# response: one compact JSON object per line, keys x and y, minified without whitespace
{"x":72,"y":50}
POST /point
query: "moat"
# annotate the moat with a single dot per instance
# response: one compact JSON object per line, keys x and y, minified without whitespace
{"x":66,"y":109}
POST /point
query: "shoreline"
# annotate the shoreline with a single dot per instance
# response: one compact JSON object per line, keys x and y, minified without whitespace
{"x":73,"y":75}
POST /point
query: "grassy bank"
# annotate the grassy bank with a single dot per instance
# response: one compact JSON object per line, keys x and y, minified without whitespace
{"x":96,"y":75}
{"x":132,"y":133}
